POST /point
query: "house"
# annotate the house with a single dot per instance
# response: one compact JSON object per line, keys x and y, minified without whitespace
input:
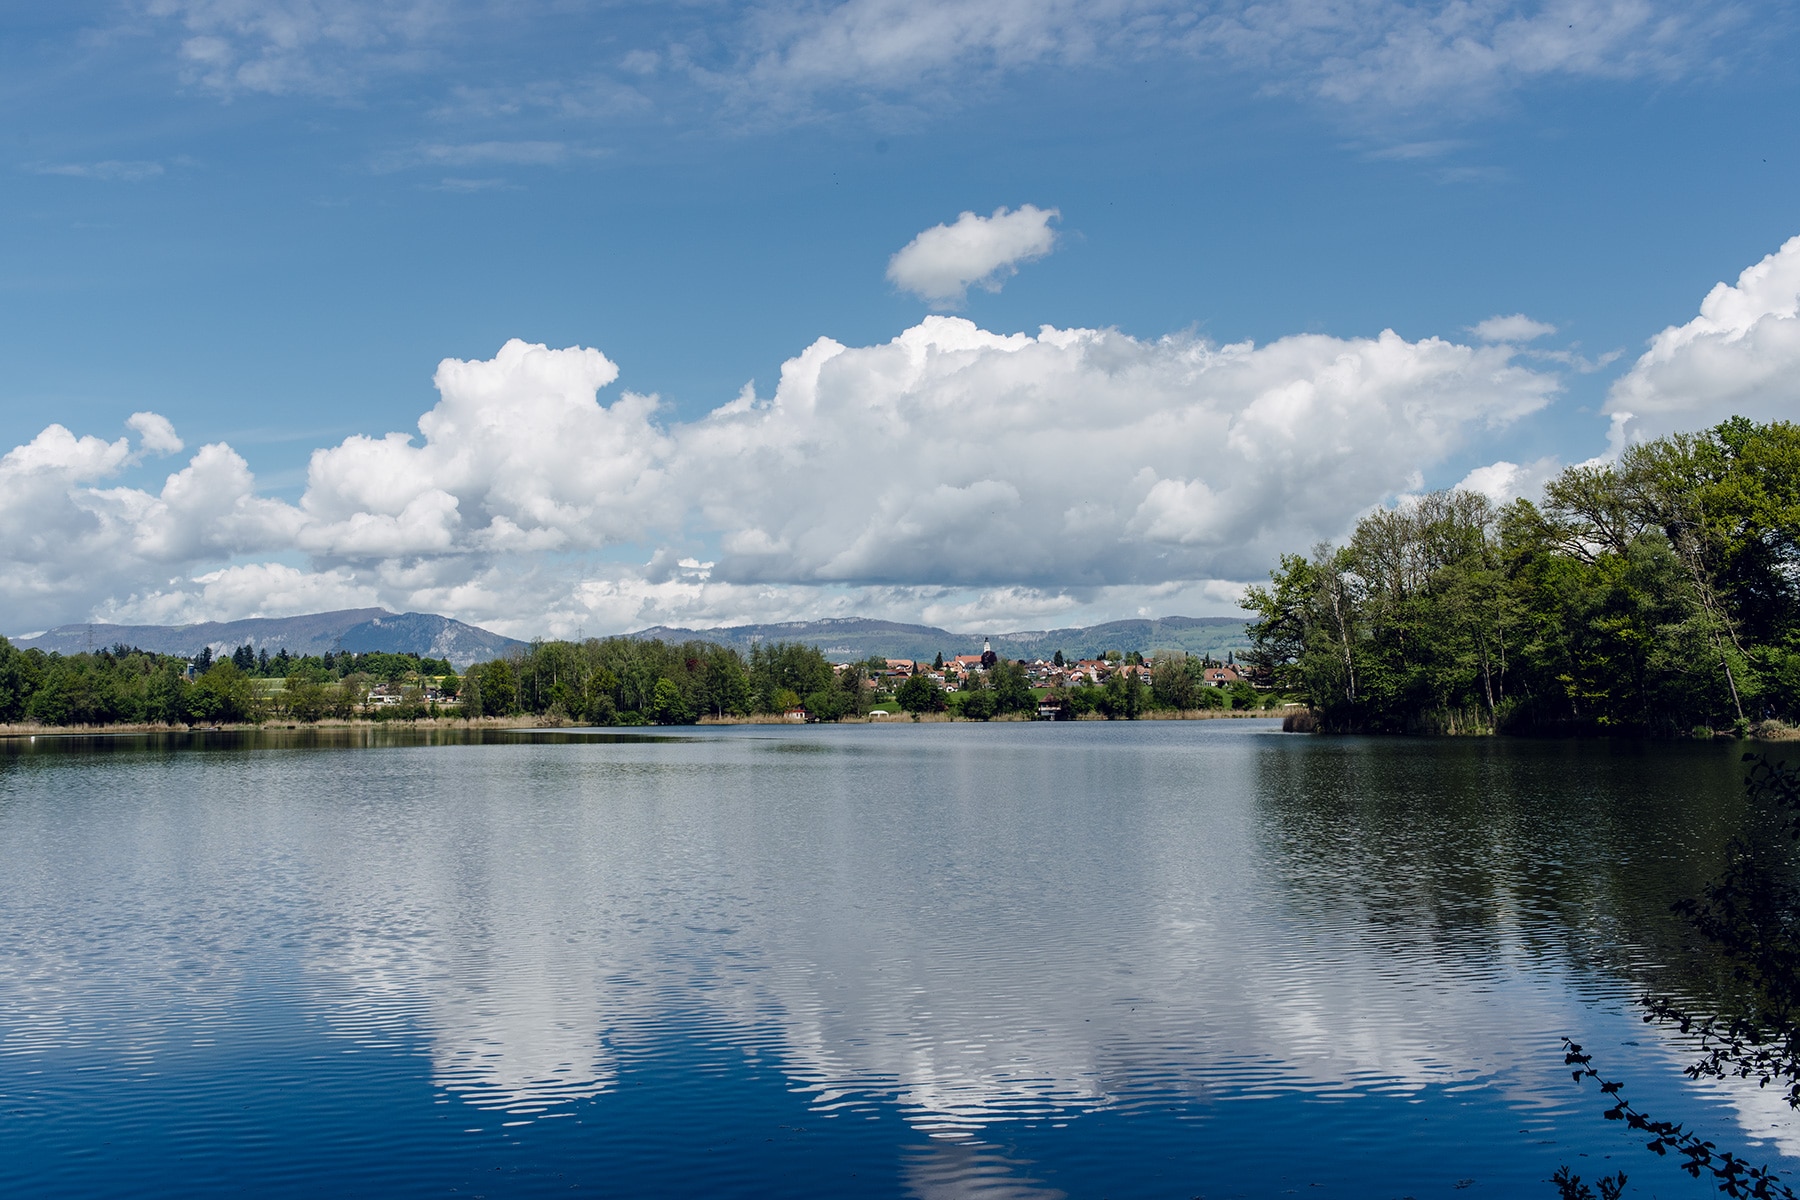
{"x":901,"y":666}
{"x":1049,"y":710}
{"x":797,"y":715}
{"x":1220,"y":677}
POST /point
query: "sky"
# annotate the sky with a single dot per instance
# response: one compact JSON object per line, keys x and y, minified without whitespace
{"x":566,"y":317}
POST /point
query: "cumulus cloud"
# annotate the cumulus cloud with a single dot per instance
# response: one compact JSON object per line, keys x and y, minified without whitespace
{"x":1503,"y":481}
{"x":69,"y":543}
{"x":1516,"y":328}
{"x":950,"y":471}
{"x":1079,"y":456}
{"x":1740,"y":356}
{"x":517,"y":456}
{"x":943,"y":262}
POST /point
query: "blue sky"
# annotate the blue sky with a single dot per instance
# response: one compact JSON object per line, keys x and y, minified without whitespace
{"x":267,"y":223}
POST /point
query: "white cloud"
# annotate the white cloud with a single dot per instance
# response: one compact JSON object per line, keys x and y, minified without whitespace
{"x":516,"y":456}
{"x":1358,"y":57}
{"x":950,"y":471}
{"x":943,"y":262}
{"x":788,"y":59}
{"x":320,"y":47}
{"x":111,"y":170}
{"x":155,"y":433}
{"x":1080,"y":457}
{"x":1504,"y":481}
{"x":1407,"y":57}
{"x":68,"y":543}
{"x":1516,"y":328}
{"x":264,"y":589}
{"x":1740,"y":356}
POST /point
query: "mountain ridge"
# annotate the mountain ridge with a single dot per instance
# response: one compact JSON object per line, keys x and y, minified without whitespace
{"x":354,"y":629}
{"x":840,"y":638}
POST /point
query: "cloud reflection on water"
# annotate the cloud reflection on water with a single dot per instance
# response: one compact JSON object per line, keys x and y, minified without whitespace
{"x":980,"y":930}
{"x":987,"y":933}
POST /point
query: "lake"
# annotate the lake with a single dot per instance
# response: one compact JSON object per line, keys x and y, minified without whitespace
{"x":1157,"y":959}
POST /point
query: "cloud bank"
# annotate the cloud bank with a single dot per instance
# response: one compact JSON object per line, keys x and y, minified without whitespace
{"x":952,"y":471}
{"x":942,"y":263}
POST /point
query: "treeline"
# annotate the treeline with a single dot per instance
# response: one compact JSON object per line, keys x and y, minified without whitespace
{"x":1659,"y":594}
{"x":125,"y":685}
{"x":625,"y":681}
{"x":105,"y":687}
{"x":327,"y":667}
{"x":611,"y":681}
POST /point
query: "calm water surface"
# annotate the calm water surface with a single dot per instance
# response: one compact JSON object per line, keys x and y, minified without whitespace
{"x":1123,"y":960}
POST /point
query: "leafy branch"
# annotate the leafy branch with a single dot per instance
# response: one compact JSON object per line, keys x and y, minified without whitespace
{"x":1751,"y":915}
{"x":1736,"y":1176}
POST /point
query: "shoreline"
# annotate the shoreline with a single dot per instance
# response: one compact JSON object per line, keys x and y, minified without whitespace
{"x":1763,"y":731}
{"x":31,"y":730}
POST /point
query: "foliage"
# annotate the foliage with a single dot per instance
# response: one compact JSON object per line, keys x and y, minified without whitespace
{"x":975,"y":701}
{"x":921,"y":694}
{"x":632,"y":681}
{"x":1658,"y":593}
{"x":1173,"y":682}
{"x":1011,"y":688}
{"x":1570,"y":1187}
{"x":1750,"y":917}
{"x":224,"y":693}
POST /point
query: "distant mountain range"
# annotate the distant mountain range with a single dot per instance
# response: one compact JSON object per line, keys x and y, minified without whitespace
{"x":842,"y":639}
{"x":355,"y":629}
{"x":856,"y":638}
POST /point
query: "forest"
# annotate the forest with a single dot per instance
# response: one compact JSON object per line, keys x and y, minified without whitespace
{"x":1658,"y":593}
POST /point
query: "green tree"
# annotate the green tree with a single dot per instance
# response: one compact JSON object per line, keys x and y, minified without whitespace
{"x":669,"y":706}
{"x":977,"y":704}
{"x":165,"y":699}
{"x":1011,"y":688}
{"x":1123,"y":696}
{"x":726,"y":686}
{"x":499,"y":688}
{"x":1171,"y":683}
{"x":305,"y":698}
{"x":223,"y":694}
{"x":921,"y":694}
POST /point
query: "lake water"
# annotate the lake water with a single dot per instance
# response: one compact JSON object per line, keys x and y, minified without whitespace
{"x":1110,"y":960}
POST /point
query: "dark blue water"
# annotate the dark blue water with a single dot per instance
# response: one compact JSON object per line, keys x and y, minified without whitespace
{"x":1116,"y":960}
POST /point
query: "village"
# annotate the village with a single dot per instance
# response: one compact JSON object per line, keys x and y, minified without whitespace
{"x":959,"y":671}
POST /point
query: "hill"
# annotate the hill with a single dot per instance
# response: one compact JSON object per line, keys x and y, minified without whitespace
{"x":853,"y":638}
{"x":354,"y":629}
